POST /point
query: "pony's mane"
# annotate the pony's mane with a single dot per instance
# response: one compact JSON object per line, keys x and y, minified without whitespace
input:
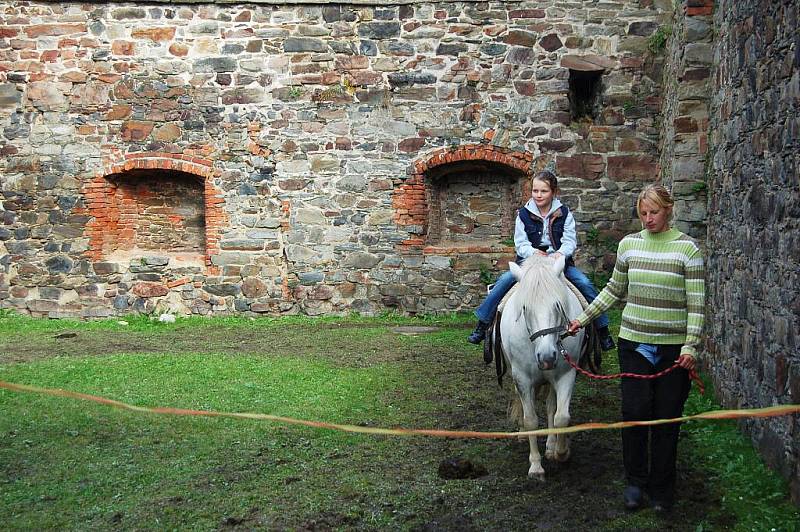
{"x":539,"y":280}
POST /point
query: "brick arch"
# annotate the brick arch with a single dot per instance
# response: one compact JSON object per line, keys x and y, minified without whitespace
{"x":410,"y":199}
{"x":98,"y":191}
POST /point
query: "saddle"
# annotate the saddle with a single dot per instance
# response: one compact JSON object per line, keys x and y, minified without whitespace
{"x":591,"y":355}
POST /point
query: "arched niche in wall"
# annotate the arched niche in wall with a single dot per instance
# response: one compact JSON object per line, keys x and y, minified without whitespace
{"x":463,"y":199}
{"x":472,"y":203}
{"x":153,"y":206}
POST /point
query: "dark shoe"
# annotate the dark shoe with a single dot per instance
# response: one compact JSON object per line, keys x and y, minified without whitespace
{"x":479,"y":333}
{"x":661,"y":507}
{"x":632,"y":495}
{"x":607,"y":343}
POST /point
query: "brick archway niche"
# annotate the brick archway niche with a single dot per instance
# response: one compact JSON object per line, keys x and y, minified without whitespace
{"x":154,"y":205}
{"x":463,"y":199}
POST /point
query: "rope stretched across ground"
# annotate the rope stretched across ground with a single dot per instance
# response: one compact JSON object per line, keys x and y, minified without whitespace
{"x":772,"y":411}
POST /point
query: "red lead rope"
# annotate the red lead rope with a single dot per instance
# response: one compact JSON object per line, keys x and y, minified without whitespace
{"x":692,"y":374}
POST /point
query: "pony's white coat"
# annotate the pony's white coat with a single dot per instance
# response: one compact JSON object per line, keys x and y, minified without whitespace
{"x":541,"y":301}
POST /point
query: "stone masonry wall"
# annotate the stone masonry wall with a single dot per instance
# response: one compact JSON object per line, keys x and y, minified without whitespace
{"x":315,"y":134}
{"x":754,"y":221}
{"x":685,"y":114}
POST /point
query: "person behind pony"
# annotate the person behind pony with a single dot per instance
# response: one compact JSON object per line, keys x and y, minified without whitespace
{"x":544,"y":226}
{"x":659,"y":270}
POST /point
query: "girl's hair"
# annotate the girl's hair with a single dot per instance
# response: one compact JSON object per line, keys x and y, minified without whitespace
{"x":656,"y":194}
{"x":549,"y":178}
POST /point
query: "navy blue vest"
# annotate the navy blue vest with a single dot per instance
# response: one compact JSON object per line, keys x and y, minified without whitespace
{"x":534,"y":227}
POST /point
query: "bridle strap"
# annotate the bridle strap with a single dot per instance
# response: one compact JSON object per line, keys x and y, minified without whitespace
{"x":545,"y":332}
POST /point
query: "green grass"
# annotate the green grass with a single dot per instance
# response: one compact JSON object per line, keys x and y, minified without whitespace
{"x":754,"y":496}
{"x":70,"y":464}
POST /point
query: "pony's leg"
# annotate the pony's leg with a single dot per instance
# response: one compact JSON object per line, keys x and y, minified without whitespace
{"x":563,"y":388}
{"x":550,"y":448}
{"x":526,"y":395}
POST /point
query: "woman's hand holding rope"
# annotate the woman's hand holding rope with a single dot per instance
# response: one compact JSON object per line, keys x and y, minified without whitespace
{"x":686,"y":360}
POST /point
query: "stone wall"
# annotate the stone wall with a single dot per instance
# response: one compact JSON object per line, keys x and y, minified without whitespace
{"x":754,"y":221}
{"x":685,"y":113}
{"x":326,"y":141}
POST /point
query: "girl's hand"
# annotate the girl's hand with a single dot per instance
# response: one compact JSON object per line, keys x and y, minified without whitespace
{"x":686,"y":361}
{"x":541,"y":253}
{"x":574,"y":327}
{"x":556,"y":255}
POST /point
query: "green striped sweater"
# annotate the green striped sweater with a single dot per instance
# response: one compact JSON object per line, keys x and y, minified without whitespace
{"x":662,"y":278}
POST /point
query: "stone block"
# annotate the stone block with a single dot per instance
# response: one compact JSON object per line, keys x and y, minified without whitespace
{"x":41,"y":305}
{"x":379,"y":30}
{"x":223,"y":289}
{"x":632,"y":168}
{"x":643,"y":28}
{"x":519,"y":55}
{"x":551,"y":42}
{"x":214,"y":65}
{"x":9,"y":95}
{"x":698,"y":54}
{"x":253,"y":287}
{"x":361,"y":260}
{"x":58,"y":264}
{"x":584,"y":166}
{"x":145,"y":289}
{"x":455,"y":49}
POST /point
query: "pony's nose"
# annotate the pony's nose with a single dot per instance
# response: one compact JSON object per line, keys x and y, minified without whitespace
{"x":547,"y":360}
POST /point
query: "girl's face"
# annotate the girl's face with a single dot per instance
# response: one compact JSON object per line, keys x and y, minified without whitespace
{"x":654,"y":217}
{"x":542,"y":194}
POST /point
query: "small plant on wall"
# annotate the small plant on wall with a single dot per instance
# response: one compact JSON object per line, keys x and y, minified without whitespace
{"x":657,"y":42}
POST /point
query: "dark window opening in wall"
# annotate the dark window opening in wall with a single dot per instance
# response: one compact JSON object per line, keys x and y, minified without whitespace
{"x":159,"y":213}
{"x":473,"y":204}
{"x":585,"y":91}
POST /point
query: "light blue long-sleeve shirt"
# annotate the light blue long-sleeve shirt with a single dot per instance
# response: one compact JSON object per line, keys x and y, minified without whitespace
{"x":569,"y":240}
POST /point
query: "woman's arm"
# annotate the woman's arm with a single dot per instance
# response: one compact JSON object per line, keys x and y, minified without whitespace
{"x":615,"y":290}
{"x":694,"y":279}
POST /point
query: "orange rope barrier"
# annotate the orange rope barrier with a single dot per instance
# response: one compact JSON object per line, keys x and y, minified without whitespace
{"x":772,"y":411}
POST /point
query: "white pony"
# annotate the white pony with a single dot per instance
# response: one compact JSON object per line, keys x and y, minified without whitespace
{"x":530,"y":326}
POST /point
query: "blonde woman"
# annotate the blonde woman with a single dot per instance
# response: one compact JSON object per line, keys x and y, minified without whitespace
{"x":659,"y":272}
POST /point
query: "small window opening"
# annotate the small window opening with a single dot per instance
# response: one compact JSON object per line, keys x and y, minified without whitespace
{"x":585,"y":89}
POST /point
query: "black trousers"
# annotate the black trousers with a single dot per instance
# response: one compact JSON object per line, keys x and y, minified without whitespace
{"x":650,"y":453}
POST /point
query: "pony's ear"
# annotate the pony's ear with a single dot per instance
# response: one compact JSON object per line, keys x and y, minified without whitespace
{"x":558,"y":265}
{"x":515,"y":270}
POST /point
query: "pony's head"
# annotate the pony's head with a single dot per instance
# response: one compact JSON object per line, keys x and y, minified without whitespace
{"x":543,"y":298}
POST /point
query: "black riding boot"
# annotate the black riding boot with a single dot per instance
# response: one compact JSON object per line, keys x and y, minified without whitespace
{"x":479,"y":333}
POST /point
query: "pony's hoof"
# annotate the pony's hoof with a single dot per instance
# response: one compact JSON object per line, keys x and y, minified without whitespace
{"x":562,"y":457}
{"x":550,"y":454}
{"x":536,"y":474}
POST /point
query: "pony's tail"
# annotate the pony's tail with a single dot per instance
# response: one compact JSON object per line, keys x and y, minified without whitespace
{"x":515,"y":410}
